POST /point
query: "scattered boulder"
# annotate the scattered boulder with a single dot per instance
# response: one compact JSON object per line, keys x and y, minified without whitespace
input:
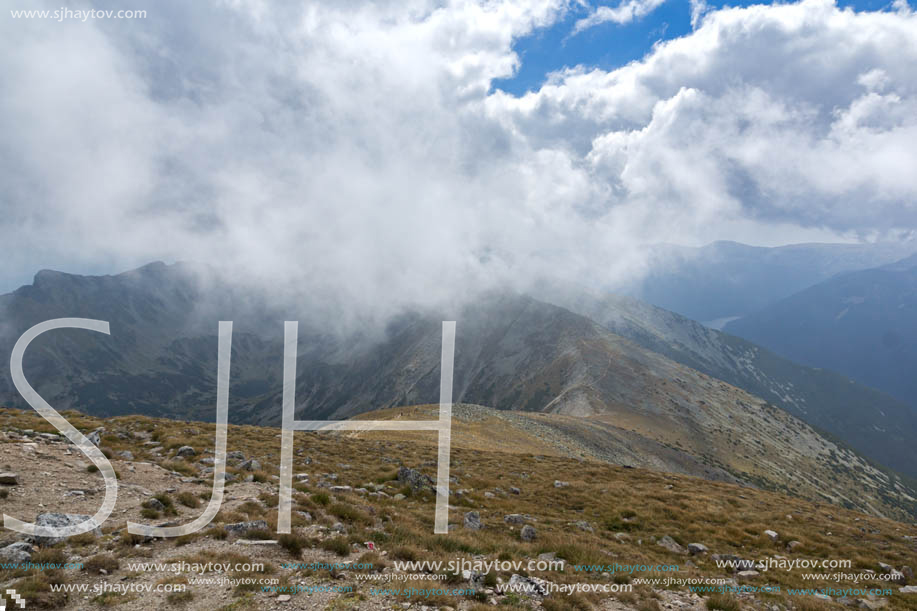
{"x":58,"y":520}
{"x":9,"y":479}
{"x":415,"y":479}
{"x":793,"y":545}
{"x":744,"y":575}
{"x":186,"y":451}
{"x":20,"y":552}
{"x":95,"y":437}
{"x":560,"y":484}
{"x":670,"y":544}
{"x":154,"y":503}
{"x":126,"y":455}
{"x":235,"y":455}
{"x":908,"y":590}
{"x":340,"y":489}
{"x":243,"y":527}
{"x":584,"y":526}
{"x":773,"y":536}
{"x":514,"y":490}
{"x":251,"y":464}
{"x":473,"y":521}
{"x":697,"y":548}
{"x":527,"y":533}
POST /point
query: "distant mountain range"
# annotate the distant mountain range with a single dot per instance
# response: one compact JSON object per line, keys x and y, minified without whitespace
{"x":862,"y":324}
{"x":726,"y":280}
{"x":513,"y":352}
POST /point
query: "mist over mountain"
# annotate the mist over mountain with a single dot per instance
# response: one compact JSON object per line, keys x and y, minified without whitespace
{"x":862,"y":324}
{"x":724,"y":280}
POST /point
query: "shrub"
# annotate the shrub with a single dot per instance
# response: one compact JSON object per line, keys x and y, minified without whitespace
{"x":292,"y":543}
{"x":100,"y":562}
{"x":338,"y":545}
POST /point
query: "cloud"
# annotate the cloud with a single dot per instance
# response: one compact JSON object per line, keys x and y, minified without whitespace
{"x":626,"y":12}
{"x":352,"y":154}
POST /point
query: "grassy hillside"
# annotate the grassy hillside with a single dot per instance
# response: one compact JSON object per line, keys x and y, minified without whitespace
{"x":606,"y":514}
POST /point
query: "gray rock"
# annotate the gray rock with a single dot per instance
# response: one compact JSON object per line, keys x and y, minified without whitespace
{"x":21,"y":551}
{"x":235,"y":455}
{"x":908,"y":590}
{"x":908,"y":573}
{"x":560,"y":484}
{"x":514,"y":490}
{"x":58,"y":520}
{"x":584,"y":526}
{"x":527,"y":533}
{"x":670,"y":544}
{"x":126,"y":455}
{"x":697,"y":548}
{"x":9,"y":479}
{"x":207,"y":461}
{"x":154,"y":503}
{"x":94,"y":437}
{"x":415,"y":479}
{"x":773,"y":536}
{"x":743,"y":575}
{"x":244,"y":527}
{"x":793,"y":545}
{"x":340,"y":489}
{"x":473,"y":521}
{"x":514,"y":518}
{"x":186,"y":451}
{"x":250,"y":465}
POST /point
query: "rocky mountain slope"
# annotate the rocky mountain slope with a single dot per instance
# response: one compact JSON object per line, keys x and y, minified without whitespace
{"x":512,"y":353}
{"x":862,"y":324}
{"x":868,"y":420}
{"x":600,"y":524}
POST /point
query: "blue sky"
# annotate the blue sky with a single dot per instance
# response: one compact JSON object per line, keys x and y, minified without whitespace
{"x":610,"y":45}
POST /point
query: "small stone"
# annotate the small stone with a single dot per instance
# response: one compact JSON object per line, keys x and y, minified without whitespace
{"x":243,"y":527}
{"x":186,"y":451}
{"x":747,"y":574}
{"x":670,"y":544}
{"x":514,"y":490}
{"x":284,"y":598}
{"x":514,"y":518}
{"x":250,"y":465}
{"x":697,"y":548}
{"x":773,"y":536}
{"x":58,"y":520}
{"x":560,"y":484}
{"x":527,"y":533}
{"x":9,"y":479}
{"x":793,"y":545}
{"x":126,"y":455}
{"x":473,"y":521}
{"x":18,"y":552}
